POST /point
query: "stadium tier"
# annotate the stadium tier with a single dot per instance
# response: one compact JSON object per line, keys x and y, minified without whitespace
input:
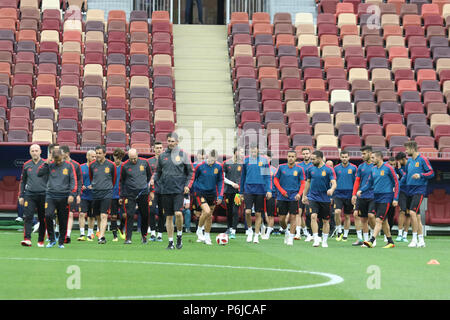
{"x":348,"y":81}
{"x":84,"y":83}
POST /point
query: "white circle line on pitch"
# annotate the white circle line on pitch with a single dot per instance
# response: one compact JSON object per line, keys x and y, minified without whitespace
{"x":333,"y":279}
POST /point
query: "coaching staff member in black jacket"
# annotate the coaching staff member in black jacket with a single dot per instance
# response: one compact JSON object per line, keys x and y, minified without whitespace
{"x":61,"y":189}
{"x":135,"y":176}
{"x":174,"y":175}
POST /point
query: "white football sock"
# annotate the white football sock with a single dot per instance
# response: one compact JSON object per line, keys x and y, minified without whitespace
{"x":414,"y":237}
{"x":269,"y":231}
{"x":400,"y":232}
{"x":325,"y":237}
{"x":339,"y":229}
{"x":405,"y":233}
{"x":159,"y":234}
{"x":179,"y":233}
{"x":420,"y":237}
{"x":153,"y":233}
{"x":346,"y":233}
{"x":298,"y":229}
{"x":366,"y":236}
{"x":305,"y":231}
{"x":90,"y":231}
{"x":57,"y":228}
{"x":359,"y":234}
{"x":82,"y":231}
{"x":207,"y":236}
{"x":316,"y":236}
{"x":170,"y":239}
{"x":69,"y":232}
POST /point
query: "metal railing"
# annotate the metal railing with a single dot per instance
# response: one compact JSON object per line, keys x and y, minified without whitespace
{"x":154,"y":5}
{"x":249,"y":6}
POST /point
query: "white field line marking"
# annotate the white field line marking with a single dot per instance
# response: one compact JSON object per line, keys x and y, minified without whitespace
{"x":333,"y":279}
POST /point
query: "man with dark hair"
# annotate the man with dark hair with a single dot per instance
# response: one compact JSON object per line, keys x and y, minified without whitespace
{"x":208,"y":191}
{"x":32,"y":196}
{"x":345,"y":179}
{"x":174,"y":175}
{"x":364,"y":204}
{"x":303,"y":215}
{"x":155,"y":197}
{"x":102,"y":173}
{"x":116,"y":207}
{"x":290,"y":182}
{"x":134,"y":180}
{"x":86,"y":209}
{"x":404,"y":218}
{"x":232,"y":169}
{"x":417,"y":173}
{"x":319,"y":188}
{"x":255,"y":186}
{"x":384,"y":182}
{"x":74,"y":207}
{"x":61,"y":190}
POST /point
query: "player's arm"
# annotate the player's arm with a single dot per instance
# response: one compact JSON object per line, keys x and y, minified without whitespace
{"x":148,"y":171}
{"x":268,"y":181}
{"x":305,"y":191}
{"x":366,"y":186}
{"x":243,"y":174}
{"x":333,"y":183}
{"x":189,"y":169}
{"x":122,"y":179}
{"x":73,"y":183}
{"x":277,"y":184}
{"x":43,"y":170}
{"x":394,"y":179}
{"x":220,"y":184}
{"x":428,"y":170}
{"x":23,"y":183}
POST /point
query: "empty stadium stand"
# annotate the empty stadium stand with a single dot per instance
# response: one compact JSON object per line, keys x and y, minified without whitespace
{"x":343,"y":83}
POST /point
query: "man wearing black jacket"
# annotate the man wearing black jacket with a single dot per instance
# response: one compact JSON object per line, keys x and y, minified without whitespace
{"x":174,"y":174}
{"x":135,"y":176}
{"x":155,"y":197}
{"x":232,"y":169}
{"x":102,"y":173}
{"x":75,"y":207}
{"x":32,"y":196}
{"x":61,"y":189}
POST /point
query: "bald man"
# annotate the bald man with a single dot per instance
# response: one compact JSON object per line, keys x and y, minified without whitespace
{"x":134,"y":180}
{"x":32,"y":196}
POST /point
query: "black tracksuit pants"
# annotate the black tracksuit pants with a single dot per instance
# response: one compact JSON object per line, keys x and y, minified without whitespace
{"x":31,"y":205}
{"x":130,"y":209}
{"x":62,"y":208}
{"x":232,"y":211}
{"x":156,"y":209}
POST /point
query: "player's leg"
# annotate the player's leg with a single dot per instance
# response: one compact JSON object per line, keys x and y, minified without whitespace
{"x":114,"y":214}
{"x":72,"y":209}
{"x":325,"y":215}
{"x":400,"y":225}
{"x":358,"y":227}
{"x":63,"y":217}
{"x":381,"y":210}
{"x":292,"y":207}
{"x":130,"y":207}
{"x":416,"y":202}
{"x":169,"y":212}
{"x":92,"y":215}
{"x":49,"y":217}
{"x":229,"y":201}
{"x":270,"y":207}
{"x":208,"y":220}
{"x":259,"y":208}
{"x":40,"y":206}
{"x":105,"y":206}
{"x":314,"y":211}
{"x":142,"y":202}
{"x":406,"y":226}
{"x":338,"y":222}
{"x":249,"y":200}
{"x":29,"y":207}
{"x":152,"y":217}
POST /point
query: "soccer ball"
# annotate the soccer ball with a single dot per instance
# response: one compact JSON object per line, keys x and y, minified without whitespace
{"x":222,"y":239}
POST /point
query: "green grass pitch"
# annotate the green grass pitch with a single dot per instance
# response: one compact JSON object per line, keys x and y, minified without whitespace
{"x":239,"y":270}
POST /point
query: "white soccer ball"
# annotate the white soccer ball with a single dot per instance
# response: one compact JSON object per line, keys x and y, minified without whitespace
{"x":222,"y":239}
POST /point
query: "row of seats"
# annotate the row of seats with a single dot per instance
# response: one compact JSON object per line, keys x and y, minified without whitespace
{"x":332,"y":93}
{"x":89,"y":83}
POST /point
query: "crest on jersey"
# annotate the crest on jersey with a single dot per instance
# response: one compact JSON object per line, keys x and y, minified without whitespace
{"x":216,"y":171}
{"x":417,"y":164}
{"x":202,"y":199}
{"x":295,"y":173}
{"x":25,"y":204}
{"x":141,"y":167}
{"x":382,"y":173}
{"x":65,"y":172}
{"x":46,"y":205}
{"x":126,"y":201}
{"x":260,"y":164}
{"x":177,"y":158}
{"x":324,"y":173}
{"x":239,"y":168}
{"x":106,"y":170}
{"x":350,"y":171}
